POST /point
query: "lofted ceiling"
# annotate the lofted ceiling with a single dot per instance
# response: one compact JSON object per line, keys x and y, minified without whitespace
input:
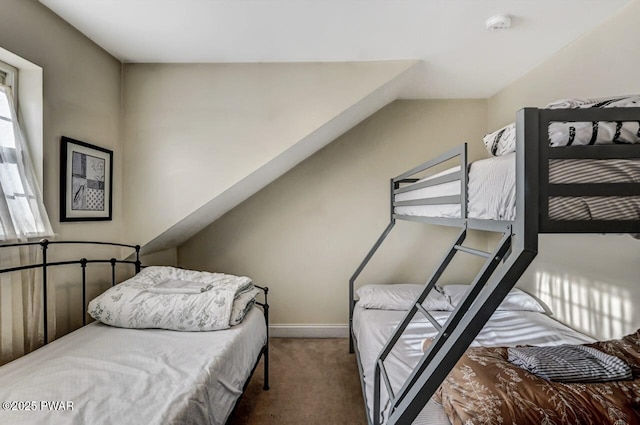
{"x":460,"y":59}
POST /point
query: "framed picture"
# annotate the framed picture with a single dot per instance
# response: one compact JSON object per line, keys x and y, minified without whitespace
{"x":86,"y":179}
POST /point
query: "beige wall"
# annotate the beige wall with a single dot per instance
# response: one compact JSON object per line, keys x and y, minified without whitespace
{"x":591,"y":282}
{"x":194,"y":131}
{"x":305,"y":234}
{"x":82,"y":101}
{"x":168,"y":257}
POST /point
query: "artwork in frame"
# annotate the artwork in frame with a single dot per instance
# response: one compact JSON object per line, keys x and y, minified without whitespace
{"x":86,"y":177}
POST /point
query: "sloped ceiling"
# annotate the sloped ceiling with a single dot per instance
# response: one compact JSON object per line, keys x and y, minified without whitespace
{"x":201,"y":138}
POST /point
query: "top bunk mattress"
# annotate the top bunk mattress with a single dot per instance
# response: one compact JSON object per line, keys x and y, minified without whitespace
{"x":135,"y":376}
{"x":492,"y":191}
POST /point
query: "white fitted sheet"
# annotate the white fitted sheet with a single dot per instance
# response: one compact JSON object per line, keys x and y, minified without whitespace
{"x":491,"y":191}
{"x":372,"y":328}
{"x":135,"y":376}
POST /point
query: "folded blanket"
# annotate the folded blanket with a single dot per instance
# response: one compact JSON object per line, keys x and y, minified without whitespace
{"x":163,"y":297}
{"x":242,"y":304}
{"x":570,"y":363}
{"x":175,"y":286}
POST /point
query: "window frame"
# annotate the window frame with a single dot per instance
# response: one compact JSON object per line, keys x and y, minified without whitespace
{"x":10,"y":80}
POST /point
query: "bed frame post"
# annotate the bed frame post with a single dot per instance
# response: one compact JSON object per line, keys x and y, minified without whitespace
{"x":113,"y":271}
{"x":266,"y":345}
{"x":464,"y":182}
{"x":138,"y":264}
{"x":44,"y":244}
{"x":83,"y":265}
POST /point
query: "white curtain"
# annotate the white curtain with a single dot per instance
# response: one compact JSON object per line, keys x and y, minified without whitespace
{"x":22,"y":211}
{"x":23,"y":218}
{"x":21,"y":304}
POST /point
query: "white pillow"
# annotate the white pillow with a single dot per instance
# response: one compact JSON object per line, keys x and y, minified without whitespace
{"x":516,"y":300}
{"x":400,"y":297}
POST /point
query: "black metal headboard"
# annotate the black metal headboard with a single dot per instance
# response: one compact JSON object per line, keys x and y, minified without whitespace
{"x":46,"y":244}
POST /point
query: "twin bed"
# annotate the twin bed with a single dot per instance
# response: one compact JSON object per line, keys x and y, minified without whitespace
{"x":572,"y":167}
{"x":102,"y":374}
{"x":132,"y":376}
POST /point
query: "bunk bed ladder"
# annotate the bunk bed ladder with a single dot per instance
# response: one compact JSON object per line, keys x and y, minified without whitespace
{"x":445,"y":331}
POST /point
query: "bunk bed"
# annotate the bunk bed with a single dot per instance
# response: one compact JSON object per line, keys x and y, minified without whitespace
{"x":103,"y":374}
{"x":555,"y":188}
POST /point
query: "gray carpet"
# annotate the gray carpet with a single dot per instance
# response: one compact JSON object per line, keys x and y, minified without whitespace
{"x":313,"y":382}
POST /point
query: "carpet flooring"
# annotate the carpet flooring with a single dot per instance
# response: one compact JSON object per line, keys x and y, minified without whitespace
{"x":313,"y":382}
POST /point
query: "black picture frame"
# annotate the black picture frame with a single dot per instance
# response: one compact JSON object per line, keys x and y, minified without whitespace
{"x":86,"y":181}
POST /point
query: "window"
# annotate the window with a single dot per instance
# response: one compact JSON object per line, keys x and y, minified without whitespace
{"x":22,"y":212}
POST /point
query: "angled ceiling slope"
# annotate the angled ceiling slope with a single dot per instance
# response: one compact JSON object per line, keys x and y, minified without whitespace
{"x":245,"y":125}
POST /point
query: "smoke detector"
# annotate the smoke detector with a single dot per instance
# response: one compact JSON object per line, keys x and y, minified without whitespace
{"x":498,"y":22}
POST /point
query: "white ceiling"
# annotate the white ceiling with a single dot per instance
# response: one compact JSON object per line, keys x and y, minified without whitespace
{"x":461,"y":59}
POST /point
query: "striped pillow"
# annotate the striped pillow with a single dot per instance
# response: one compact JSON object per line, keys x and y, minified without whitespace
{"x":570,"y":363}
{"x":503,"y":141}
{"x":596,"y":132}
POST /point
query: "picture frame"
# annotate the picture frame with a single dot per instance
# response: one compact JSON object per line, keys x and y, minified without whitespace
{"x":86,"y":181}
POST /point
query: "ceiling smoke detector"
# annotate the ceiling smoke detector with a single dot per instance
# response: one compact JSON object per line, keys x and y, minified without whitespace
{"x":498,"y":22}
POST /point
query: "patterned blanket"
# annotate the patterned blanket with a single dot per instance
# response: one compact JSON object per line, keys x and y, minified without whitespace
{"x":485,"y":388}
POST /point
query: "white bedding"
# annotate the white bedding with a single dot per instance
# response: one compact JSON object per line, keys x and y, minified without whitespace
{"x":491,"y":188}
{"x":133,"y":376}
{"x":372,"y":328}
{"x":492,"y":191}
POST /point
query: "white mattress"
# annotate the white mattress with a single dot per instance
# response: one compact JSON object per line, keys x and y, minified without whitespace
{"x":134,"y":376}
{"x":492,"y":191}
{"x":372,"y":329}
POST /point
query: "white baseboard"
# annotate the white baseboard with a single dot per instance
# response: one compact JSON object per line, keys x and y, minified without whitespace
{"x":309,"y":331}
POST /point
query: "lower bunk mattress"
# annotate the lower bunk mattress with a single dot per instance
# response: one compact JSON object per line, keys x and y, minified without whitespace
{"x":372,"y":328}
{"x":133,"y":376}
{"x":492,"y":191}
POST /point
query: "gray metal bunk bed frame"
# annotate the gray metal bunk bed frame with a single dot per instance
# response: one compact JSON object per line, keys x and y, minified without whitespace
{"x":45,"y":264}
{"x":514,"y":252}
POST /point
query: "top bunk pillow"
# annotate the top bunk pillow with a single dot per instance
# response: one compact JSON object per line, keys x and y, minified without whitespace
{"x":516,"y":299}
{"x":503,"y":141}
{"x":401,"y":297}
{"x":597,"y":132}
